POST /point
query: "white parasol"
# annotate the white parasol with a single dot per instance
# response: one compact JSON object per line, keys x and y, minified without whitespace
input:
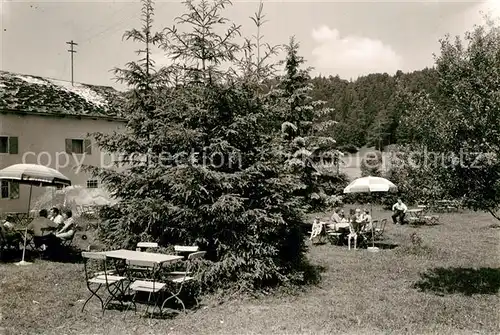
{"x":368,"y":185}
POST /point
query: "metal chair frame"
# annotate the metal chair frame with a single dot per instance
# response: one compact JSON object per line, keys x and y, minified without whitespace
{"x":182,"y":278}
{"x":106,"y":278}
{"x":145,"y":285}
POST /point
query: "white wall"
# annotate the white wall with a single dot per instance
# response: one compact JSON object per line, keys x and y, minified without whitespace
{"x":41,"y":140}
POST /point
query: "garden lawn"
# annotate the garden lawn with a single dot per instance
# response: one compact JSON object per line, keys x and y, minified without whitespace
{"x":449,"y":284}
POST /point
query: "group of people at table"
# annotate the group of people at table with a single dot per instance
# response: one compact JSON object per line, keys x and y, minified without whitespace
{"x":360,"y":221}
{"x":49,"y":229}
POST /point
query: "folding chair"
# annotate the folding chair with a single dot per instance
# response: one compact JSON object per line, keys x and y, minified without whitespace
{"x":9,"y":239}
{"x":333,"y":235}
{"x":141,"y":271}
{"x":69,"y":241}
{"x":106,"y":278}
{"x":146,"y":285}
{"x":46,"y":245}
{"x":352,"y":235}
{"x":364,"y":236}
{"x":182,"y":277}
{"x":186,"y":249}
{"x":147,"y":245}
{"x":379,"y":231}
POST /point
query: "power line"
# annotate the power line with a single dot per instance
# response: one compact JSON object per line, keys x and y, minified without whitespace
{"x":72,"y":51}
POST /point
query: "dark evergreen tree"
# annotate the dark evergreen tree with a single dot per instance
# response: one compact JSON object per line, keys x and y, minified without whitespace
{"x":307,"y":129}
{"x":215,"y":175}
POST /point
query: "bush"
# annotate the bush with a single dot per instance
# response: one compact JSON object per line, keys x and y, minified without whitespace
{"x":416,"y":247}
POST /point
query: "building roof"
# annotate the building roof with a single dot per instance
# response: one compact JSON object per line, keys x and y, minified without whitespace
{"x":32,"y":94}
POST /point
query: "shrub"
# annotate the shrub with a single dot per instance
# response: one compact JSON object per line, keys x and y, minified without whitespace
{"x":416,"y":247}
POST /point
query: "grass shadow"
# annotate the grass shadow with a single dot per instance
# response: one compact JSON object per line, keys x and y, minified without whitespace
{"x":62,"y":255}
{"x":422,"y":224}
{"x":385,"y":245}
{"x":466,"y":281}
{"x":68,"y":255}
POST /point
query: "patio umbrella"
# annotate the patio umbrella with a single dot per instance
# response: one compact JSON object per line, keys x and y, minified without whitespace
{"x":368,"y":185}
{"x":33,"y":175}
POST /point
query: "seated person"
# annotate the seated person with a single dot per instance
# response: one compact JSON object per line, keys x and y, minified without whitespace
{"x":42,"y":229}
{"x":9,"y":234}
{"x":342,"y":215}
{"x":357,"y":220}
{"x":55,"y":215}
{"x":367,"y":218}
{"x":399,"y":209}
{"x":68,"y":230}
{"x":335,"y":218}
{"x":8,"y":223}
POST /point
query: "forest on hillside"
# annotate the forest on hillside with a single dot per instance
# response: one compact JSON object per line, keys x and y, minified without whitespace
{"x":368,"y":110}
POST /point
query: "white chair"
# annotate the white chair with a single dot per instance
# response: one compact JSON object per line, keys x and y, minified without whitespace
{"x":186,"y":249}
{"x":379,"y":230}
{"x":352,"y":235}
{"x":106,"y":278}
{"x":146,"y":285}
{"x":142,"y":246}
{"x":182,"y":277}
{"x":147,"y":245}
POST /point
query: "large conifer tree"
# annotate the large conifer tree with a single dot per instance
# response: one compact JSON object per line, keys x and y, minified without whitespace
{"x":214,"y":175}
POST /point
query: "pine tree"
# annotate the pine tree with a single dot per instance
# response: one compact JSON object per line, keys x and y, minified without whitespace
{"x":307,"y":127}
{"x":214,"y":176}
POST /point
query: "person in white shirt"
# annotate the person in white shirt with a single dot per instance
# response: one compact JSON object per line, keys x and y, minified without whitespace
{"x":68,"y":230}
{"x":56,"y":216}
{"x":335,"y":218}
{"x":399,"y":209}
{"x":357,"y":220}
{"x":8,"y":222}
{"x":7,"y":231}
{"x":367,"y":218}
{"x":342,"y":216}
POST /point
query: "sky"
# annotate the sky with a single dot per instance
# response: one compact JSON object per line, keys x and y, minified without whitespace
{"x":345,"y":38}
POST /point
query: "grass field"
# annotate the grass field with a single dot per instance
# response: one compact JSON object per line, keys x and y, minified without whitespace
{"x":447,"y":285}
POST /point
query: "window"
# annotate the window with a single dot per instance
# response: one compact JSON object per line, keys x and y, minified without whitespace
{"x":78,"y":146}
{"x":92,"y":183}
{"x":8,"y":145}
{"x":9,"y":190}
{"x":4,"y":145}
{"x":4,"y":187}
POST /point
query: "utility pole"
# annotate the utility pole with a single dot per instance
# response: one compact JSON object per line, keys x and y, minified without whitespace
{"x":72,"y":51}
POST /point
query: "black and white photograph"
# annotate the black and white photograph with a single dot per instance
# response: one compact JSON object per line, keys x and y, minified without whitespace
{"x":209,"y":167}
